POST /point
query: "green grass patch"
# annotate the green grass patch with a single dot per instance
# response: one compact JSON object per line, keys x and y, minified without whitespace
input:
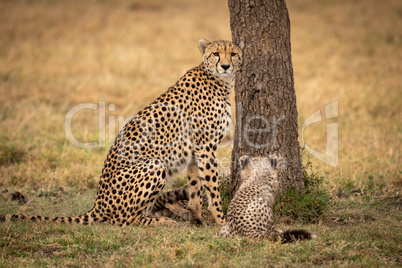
{"x":374,"y":244}
{"x":308,"y":205}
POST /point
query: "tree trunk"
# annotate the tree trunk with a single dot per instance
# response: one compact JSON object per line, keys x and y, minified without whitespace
{"x":266,"y":113}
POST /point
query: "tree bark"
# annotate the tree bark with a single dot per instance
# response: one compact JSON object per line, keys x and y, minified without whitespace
{"x":266,"y":113}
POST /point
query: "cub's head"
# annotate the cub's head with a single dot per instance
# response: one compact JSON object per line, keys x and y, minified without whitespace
{"x":221,"y":58}
{"x":258,"y":168}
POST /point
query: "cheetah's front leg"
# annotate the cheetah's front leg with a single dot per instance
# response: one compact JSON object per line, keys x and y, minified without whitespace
{"x":208,"y":174}
{"x":194,"y":186}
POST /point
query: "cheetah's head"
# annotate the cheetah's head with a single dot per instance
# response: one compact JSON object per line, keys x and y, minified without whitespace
{"x":222,"y":58}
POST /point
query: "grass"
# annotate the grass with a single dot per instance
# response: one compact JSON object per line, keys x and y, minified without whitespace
{"x":307,"y":205}
{"x":368,"y":242}
{"x":55,"y":55}
{"x":10,"y":153}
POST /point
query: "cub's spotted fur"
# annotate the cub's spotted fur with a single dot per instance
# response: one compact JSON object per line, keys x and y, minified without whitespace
{"x":250,"y":213}
{"x":180,"y":129}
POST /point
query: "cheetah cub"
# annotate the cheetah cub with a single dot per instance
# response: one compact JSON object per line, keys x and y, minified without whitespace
{"x":250,"y":212}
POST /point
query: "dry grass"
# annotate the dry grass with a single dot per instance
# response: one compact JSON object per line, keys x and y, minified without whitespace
{"x":57,"y":54}
{"x":351,"y":52}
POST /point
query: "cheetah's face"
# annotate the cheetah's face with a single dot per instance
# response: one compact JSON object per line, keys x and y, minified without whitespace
{"x":222,"y":58}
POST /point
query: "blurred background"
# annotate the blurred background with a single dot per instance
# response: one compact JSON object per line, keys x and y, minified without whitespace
{"x":55,"y":55}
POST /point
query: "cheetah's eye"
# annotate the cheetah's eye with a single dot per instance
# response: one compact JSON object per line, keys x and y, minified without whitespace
{"x":233,"y":54}
{"x":215,"y":54}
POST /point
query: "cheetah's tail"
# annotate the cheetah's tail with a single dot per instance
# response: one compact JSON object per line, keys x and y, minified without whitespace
{"x":294,"y":235}
{"x":85,"y":219}
{"x":225,"y":231}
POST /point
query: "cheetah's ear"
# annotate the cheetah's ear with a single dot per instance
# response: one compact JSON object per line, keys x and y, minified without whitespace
{"x":241,"y":45}
{"x":244,"y":162}
{"x":202,"y":44}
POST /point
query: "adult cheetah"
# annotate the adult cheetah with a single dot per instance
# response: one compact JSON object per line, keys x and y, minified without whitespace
{"x":250,"y":213}
{"x":180,"y":129}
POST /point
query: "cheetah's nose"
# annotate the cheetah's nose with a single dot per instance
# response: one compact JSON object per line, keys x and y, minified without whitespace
{"x":225,"y":67}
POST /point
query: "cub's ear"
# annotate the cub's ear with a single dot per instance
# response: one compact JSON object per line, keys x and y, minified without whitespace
{"x":202,"y":44}
{"x":244,"y":162}
{"x":273,"y":162}
{"x":241,"y":45}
